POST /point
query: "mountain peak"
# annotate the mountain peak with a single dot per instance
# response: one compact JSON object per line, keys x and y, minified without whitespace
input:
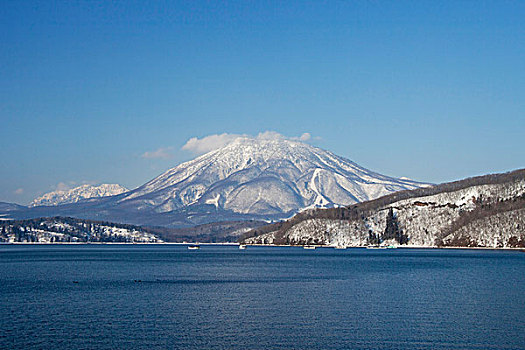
{"x":77,"y":194}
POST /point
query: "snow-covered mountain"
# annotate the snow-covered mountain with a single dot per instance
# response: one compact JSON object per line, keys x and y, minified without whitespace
{"x":248,"y":179}
{"x":77,"y":194}
{"x":264,"y":177}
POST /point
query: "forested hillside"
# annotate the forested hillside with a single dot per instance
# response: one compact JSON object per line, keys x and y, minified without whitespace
{"x":485,"y":211}
{"x":64,"y":229}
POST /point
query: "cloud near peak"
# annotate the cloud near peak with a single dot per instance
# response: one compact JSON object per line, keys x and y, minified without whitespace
{"x":161,"y":153}
{"x":213,"y":142}
{"x":209,"y":143}
{"x":62,"y":186}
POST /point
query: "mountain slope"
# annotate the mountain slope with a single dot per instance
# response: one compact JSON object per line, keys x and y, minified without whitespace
{"x":264,"y":177}
{"x":77,"y":194}
{"x":6,"y":207}
{"x":486,"y":211}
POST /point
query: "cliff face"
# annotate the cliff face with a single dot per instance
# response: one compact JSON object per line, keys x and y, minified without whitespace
{"x":481,"y":212}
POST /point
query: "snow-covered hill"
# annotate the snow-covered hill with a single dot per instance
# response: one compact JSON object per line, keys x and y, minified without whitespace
{"x":77,"y":194}
{"x":487,"y":211}
{"x":264,"y":177}
{"x":71,"y":230}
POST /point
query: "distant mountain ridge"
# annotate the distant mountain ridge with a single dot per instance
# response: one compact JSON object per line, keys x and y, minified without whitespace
{"x":7,"y":207}
{"x":77,"y":194}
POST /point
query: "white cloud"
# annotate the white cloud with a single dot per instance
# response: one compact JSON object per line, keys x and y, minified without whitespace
{"x":19,"y":191}
{"x":273,"y":135}
{"x":161,"y":153}
{"x":213,"y":142}
{"x":270,"y":135}
{"x":69,"y":185}
{"x":209,"y":143}
{"x":305,"y":137}
{"x":62,"y":186}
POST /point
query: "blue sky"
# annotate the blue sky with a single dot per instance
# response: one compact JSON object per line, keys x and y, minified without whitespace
{"x":434,"y":91}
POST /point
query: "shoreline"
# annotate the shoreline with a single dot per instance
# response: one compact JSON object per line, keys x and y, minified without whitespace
{"x":235,"y":244}
{"x":398,"y":247}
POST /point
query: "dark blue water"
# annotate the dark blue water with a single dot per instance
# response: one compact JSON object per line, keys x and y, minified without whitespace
{"x":158,"y":297}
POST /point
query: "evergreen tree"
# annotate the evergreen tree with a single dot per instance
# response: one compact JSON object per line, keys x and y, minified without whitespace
{"x":373,"y":239}
{"x":392,"y":226}
{"x":392,"y":230}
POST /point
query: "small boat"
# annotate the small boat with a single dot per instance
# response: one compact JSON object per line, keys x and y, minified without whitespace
{"x":391,"y":247}
{"x":309,"y":247}
{"x":376,"y":247}
{"x":194,"y":247}
{"x":242,"y":246}
{"x":340,"y":247}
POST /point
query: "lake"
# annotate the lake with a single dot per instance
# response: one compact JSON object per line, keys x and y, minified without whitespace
{"x":220,"y":297}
